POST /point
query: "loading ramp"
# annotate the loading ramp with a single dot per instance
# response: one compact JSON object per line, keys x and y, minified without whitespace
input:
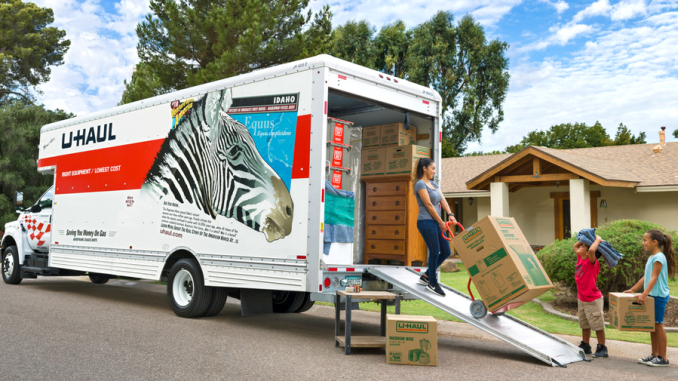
{"x":529,"y":339}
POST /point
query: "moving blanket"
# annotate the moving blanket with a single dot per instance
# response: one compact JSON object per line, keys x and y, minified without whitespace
{"x":612,"y":256}
{"x":339,"y":212}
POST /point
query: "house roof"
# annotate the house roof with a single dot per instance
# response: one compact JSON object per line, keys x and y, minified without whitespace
{"x":633,"y":165}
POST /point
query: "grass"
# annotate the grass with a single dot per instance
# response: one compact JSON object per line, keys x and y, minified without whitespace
{"x":531,"y":313}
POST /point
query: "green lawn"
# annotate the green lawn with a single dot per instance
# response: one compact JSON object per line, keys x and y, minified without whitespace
{"x":531,"y":313}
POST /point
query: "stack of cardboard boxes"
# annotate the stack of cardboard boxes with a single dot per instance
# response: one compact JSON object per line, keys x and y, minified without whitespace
{"x":390,"y":150}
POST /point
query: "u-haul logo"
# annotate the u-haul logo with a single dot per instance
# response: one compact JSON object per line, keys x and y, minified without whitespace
{"x":398,"y":154}
{"x":373,"y":157}
{"x":338,"y":155}
{"x":473,"y":234}
{"x":338,"y":130}
{"x":412,"y":327}
{"x":505,"y":224}
{"x":635,"y":308}
{"x":86,"y":136}
{"x":423,"y":151}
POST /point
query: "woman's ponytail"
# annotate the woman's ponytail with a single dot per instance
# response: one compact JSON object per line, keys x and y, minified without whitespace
{"x":421,"y":165}
{"x":670,"y":255}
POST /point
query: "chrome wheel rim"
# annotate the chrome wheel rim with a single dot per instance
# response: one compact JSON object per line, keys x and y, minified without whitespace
{"x":8,"y":265}
{"x":182,"y":288}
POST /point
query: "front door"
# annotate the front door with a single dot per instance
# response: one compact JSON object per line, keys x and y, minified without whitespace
{"x":567,"y":222}
{"x":39,"y":223}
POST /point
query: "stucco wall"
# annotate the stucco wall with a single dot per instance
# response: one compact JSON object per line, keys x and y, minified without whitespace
{"x":533,"y":209}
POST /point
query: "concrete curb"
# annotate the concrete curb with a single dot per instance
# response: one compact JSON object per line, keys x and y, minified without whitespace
{"x":549,"y":309}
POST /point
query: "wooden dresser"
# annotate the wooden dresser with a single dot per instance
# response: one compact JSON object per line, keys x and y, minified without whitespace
{"x":391,"y":221}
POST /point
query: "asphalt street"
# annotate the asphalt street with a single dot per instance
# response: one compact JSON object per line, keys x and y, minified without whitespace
{"x":69,"y":329}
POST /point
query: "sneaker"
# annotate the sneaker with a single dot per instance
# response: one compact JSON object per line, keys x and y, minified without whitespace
{"x":435,"y":289}
{"x":601,"y":351}
{"x":424,"y":280}
{"x":645,"y":360}
{"x":658,"y":361}
{"x":586,"y":347}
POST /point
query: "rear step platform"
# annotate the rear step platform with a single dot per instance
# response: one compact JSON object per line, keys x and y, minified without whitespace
{"x":529,"y":339}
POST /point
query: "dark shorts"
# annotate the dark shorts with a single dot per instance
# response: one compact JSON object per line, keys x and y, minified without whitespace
{"x":660,"y":308}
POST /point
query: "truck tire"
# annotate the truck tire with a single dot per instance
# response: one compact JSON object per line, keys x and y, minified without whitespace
{"x":217,"y":301}
{"x":11,"y":269}
{"x":99,"y":278}
{"x":306,"y":304}
{"x":287,"y":301}
{"x":186,"y":289}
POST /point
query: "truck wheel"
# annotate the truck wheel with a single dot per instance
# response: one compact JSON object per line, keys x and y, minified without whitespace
{"x":99,"y":278}
{"x":287,"y":301}
{"x":219,"y":296}
{"x":11,"y":269}
{"x":186,"y":289}
{"x":306,"y":304}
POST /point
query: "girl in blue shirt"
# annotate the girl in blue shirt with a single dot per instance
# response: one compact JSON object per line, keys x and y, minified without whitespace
{"x":659,"y":266}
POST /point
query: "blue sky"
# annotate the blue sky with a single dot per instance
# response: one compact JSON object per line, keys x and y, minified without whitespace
{"x":613,"y":61}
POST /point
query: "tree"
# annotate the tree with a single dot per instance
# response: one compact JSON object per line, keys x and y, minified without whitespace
{"x":391,"y":48}
{"x":675,"y":134}
{"x":353,"y":42}
{"x":469,"y":73}
{"x":28,"y":47}
{"x":577,"y":135}
{"x":144,"y":84}
{"x":20,"y":125}
{"x":187,"y":43}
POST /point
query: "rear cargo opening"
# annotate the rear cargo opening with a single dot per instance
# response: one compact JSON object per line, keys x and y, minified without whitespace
{"x":391,"y":236}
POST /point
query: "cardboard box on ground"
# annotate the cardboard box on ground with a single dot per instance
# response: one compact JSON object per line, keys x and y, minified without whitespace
{"x":627,"y":316}
{"x":501,"y":262}
{"x":411,"y":340}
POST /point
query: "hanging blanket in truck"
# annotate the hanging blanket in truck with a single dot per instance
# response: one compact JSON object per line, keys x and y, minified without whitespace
{"x":339,"y":209}
{"x":612,"y":256}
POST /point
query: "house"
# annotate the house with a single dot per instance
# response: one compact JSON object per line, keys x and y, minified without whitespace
{"x":552,"y":193}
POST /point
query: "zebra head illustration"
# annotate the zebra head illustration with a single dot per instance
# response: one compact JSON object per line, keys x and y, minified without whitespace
{"x":210,"y":160}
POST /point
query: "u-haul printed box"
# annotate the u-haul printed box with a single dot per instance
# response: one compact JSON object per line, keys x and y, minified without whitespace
{"x":402,"y":160}
{"x":395,"y":134}
{"x":371,"y":136}
{"x":501,"y":262}
{"x":627,"y":315}
{"x":372,"y":161}
{"x":411,"y":340}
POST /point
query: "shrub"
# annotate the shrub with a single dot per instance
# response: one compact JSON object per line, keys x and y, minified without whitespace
{"x":626,"y":236}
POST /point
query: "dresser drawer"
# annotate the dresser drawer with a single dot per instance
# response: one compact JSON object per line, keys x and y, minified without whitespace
{"x":385,"y":232}
{"x":386,"y":218}
{"x":395,"y":188}
{"x":385,"y":246}
{"x":387,"y":203}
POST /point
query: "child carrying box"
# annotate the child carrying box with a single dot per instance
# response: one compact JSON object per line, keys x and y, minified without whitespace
{"x":589,"y":298}
{"x":659,"y":266}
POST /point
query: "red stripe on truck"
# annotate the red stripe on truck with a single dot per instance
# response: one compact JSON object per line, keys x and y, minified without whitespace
{"x":106,"y":169}
{"x":302,"y":147}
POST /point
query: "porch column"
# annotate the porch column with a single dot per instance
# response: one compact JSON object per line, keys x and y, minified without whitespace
{"x":499,"y":194}
{"x":580,"y":205}
{"x":483,"y":207}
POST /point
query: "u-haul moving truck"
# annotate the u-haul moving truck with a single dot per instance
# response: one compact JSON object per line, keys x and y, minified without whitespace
{"x":219,"y":189}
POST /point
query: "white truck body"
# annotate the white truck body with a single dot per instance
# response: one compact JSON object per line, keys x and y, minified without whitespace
{"x":243,"y":192}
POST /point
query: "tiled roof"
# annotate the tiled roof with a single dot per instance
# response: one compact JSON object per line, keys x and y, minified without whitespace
{"x":634,"y":163}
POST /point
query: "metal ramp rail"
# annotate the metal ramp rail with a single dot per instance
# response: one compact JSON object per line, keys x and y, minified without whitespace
{"x":529,"y":339}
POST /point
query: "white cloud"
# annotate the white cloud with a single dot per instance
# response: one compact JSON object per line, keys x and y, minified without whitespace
{"x":599,"y":8}
{"x":560,"y":5}
{"x":625,"y":75}
{"x":628,"y":9}
{"x":101,"y":56}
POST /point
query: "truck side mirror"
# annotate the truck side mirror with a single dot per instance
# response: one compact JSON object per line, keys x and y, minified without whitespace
{"x":19,"y":201}
{"x":36,"y":208}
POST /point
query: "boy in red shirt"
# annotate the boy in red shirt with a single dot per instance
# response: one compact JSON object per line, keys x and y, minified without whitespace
{"x":590,"y":299}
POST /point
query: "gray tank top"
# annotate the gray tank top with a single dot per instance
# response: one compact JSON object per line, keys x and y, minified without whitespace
{"x":433,"y":194}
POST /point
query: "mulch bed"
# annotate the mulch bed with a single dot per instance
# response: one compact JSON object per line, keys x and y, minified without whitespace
{"x":566,"y":301}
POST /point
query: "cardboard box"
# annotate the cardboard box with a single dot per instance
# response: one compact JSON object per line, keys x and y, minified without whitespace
{"x":403,"y":160}
{"x":411,"y":340}
{"x":627,"y":316}
{"x":372,"y":162}
{"x":501,"y":262}
{"x":395,"y":134}
{"x":371,"y":136}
